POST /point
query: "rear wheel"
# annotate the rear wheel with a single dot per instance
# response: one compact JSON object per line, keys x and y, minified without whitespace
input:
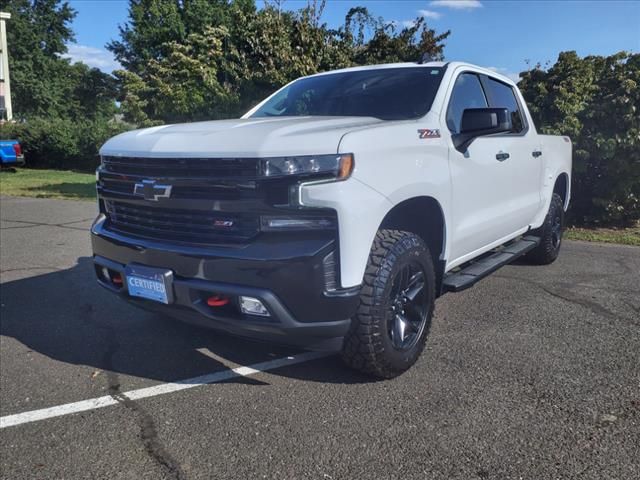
{"x":390,"y":328}
{"x":550,"y":234}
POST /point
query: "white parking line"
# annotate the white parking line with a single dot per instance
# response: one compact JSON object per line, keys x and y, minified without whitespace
{"x":100,"y":402}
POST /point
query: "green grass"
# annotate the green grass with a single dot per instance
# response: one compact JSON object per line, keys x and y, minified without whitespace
{"x":623,"y":236}
{"x":23,"y":182}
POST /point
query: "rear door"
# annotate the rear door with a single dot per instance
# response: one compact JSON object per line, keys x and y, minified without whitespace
{"x":524,"y":164}
{"x":495,"y":182}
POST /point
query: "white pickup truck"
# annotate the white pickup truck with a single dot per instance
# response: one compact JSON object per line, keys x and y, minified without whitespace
{"x":336,"y":211}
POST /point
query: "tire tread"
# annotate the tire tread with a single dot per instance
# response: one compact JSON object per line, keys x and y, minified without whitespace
{"x":363,"y":348}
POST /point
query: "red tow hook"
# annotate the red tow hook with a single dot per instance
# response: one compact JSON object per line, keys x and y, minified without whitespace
{"x":217,"y":301}
{"x":117,"y":279}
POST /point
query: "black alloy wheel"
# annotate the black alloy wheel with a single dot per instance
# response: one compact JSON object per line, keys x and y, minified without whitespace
{"x":408,"y":307}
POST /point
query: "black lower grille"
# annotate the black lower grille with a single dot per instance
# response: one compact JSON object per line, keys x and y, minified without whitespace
{"x":189,"y":226}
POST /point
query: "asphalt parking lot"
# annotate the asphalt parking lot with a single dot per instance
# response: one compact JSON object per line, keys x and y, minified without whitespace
{"x":532,"y":374}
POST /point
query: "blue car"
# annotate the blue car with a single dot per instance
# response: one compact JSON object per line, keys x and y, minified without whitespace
{"x":11,"y":153}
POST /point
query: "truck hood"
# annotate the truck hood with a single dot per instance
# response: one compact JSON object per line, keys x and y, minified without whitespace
{"x":251,"y":137}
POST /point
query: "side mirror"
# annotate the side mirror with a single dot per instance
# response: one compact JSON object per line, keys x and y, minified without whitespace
{"x":477,"y":122}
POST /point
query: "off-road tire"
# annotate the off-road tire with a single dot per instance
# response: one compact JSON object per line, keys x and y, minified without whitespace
{"x":367,"y":346}
{"x":550,"y":234}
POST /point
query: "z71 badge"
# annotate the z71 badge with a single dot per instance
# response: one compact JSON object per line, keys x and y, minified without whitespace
{"x":428,"y":133}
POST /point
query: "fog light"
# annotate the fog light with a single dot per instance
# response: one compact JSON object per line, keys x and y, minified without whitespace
{"x":253,"y":306}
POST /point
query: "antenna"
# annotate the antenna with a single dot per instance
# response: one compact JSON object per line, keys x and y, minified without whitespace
{"x":425,"y":58}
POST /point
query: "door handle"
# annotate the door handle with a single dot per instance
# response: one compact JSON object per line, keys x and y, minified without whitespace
{"x":502,"y":156}
{"x":536,"y":153}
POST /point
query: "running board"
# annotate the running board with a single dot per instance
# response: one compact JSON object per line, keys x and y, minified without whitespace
{"x":477,"y":270}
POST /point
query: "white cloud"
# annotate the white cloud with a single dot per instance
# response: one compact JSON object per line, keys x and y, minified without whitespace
{"x":429,"y":14}
{"x":504,"y":71}
{"x":457,"y":4}
{"x":422,"y":13}
{"x":94,"y":57}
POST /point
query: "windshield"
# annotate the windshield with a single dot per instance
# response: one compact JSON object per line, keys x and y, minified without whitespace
{"x":386,"y":93}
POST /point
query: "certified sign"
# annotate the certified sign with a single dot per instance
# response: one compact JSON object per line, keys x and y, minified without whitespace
{"x":150,"y":283}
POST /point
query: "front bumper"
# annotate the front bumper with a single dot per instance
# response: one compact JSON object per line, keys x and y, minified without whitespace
{"x":287,"y":272}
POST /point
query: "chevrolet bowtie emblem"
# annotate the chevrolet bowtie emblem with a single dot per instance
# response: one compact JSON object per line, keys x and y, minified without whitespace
{"x":150,"y":190}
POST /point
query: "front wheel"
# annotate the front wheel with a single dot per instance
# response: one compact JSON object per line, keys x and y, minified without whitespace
{"x":390,"y":328}
{"x":550,"y":234}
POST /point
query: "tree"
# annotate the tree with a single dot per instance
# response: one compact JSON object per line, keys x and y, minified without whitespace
{"x":154,"y":25}
{"x":596,"y":101}
{"x":220,"y":64}
{"x":43,"y":83}
{"x":36,"y":35}
{"x":392,"y":45}
{"x":64,"y":110}
{"x":189,"y":83}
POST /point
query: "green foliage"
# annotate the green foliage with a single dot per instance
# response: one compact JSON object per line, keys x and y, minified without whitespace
{"x":65,"y":111}
{"x":155,"y":24}
{"x":595,"y":101}
{"x":36,"y":35}
{"x":185,"y":84}
{"x":62,"y":142}
{"x":43,"y":83}
{"x":206,"y":59}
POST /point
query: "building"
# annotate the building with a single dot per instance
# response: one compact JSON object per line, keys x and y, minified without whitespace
{"x":6,"y":112}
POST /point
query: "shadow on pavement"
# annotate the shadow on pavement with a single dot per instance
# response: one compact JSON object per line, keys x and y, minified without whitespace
{"x":68,"y":317}
{"x":76,"y":191}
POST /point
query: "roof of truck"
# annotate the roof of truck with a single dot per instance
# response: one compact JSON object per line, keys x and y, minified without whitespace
{"x":486,"y":71}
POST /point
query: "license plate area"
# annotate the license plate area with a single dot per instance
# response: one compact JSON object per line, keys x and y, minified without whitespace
{"x":151,"y":283}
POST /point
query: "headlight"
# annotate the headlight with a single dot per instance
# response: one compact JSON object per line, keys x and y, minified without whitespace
{"x":338,"y":165}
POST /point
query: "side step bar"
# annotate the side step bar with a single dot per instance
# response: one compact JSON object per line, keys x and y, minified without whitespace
{"x":477,"y":270}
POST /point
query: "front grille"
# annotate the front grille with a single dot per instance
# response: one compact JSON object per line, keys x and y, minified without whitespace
{"x":201,"y":207}
{"x":177,"y":225}
{"x":182,"y":167}
{"x":214,"y":191}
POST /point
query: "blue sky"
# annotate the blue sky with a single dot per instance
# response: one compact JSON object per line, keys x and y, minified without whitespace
{"x":498,"y":34}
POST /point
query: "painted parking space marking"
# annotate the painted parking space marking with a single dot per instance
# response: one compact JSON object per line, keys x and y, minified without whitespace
{"x":162,"y":389}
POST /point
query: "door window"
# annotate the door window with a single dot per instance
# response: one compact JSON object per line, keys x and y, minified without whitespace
{"x":467,"y":93}
{"x":501,"y":96}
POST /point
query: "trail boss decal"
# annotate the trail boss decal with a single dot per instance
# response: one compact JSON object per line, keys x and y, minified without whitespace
{"x":428,"y":133}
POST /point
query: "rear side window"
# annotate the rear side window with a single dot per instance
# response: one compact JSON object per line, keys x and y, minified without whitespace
{"x":501,"y":96}
{"x":467,"y":93}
